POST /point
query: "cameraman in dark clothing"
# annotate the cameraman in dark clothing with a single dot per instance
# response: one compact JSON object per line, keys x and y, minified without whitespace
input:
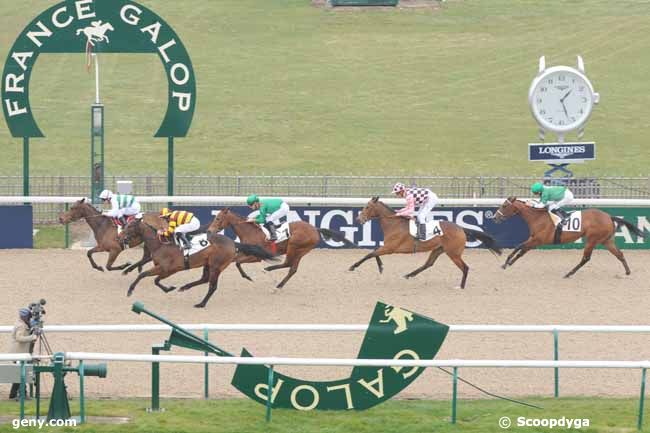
{"x":22,"y":341}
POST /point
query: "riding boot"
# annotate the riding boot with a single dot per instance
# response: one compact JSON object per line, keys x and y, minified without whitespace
{"x":422,"y":232}
{"x":187,"y":245}
{"x":271,"y":228}
{"x":561,"y":213}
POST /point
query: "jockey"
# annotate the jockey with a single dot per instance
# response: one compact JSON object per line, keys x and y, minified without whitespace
{"x":553,"y":197}
{"x":423,"y":198}
{"x":180,"y":223}
{"x":271,"y":211}
{"x":122,"y":205}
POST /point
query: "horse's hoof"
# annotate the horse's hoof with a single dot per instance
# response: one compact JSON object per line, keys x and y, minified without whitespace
{"x":628,"y":272}
{"x":503,"y":266}
{"x":201,"y":305}
{"x":249,"y":278}
{"x":407,"y":276}
{"x":129,"y":293}
{"x":100,"y":269}
{"x":567,"y":276}
{"x":381,"y":270}
{"x":125,"y":272}
{"x":352,"y":268}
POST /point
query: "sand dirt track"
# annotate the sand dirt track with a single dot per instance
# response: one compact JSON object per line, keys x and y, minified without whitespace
{"x":323,"y":291}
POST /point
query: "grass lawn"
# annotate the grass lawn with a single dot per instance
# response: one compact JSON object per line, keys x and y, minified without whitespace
{"x":288,"y":88}
{"x":49,"y":236}
{"x":605,"y":415}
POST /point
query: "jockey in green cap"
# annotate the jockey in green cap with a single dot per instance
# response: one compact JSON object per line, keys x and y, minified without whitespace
{"x":272,"y":213}
{"x":553,"y":197}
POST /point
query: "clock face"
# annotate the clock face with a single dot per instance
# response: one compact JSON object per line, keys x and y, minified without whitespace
{"x":561,"y":99}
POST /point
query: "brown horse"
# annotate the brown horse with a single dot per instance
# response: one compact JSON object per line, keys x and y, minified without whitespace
{"x":397,"y":239}
{"x":304,"y":238}
{"x":169,"y":259}
{"x":105,"y":233}
{"x":598,"y":227}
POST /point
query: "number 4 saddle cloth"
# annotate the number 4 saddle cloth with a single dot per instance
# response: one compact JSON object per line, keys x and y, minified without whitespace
{"x":433,"y":229}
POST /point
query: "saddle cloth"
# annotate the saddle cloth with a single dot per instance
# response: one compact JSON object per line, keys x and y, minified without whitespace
{"x":433,"y":229}
{"x":572,"y":224}
{"x":283,"y":232}
{"x":199,"y":242}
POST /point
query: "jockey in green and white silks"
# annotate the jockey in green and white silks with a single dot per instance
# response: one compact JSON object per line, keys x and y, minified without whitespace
{"x":272,"y":211}
{"x":553,"y":197}
{"x":122,"y":205}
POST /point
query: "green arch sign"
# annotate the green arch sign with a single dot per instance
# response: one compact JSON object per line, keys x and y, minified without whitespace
{"x":106,"y":26}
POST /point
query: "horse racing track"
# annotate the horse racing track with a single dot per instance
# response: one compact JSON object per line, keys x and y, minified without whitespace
{"x":323,"y":291}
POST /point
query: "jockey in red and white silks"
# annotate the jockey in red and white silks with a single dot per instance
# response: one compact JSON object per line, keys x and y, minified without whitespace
{"x":422,"y":198}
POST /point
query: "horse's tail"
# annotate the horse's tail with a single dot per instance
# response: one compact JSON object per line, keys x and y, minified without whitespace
{"x":337,"y":236}
{"x":634,"y":229}
{"x":256,"y":251}
{"x":487,"y":240}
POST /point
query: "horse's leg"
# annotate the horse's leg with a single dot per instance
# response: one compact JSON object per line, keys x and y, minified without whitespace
{"x":522,"y":251}
{"x":204,"y":279}
{"x":511,"y":255}
{"x":430,"y":261}
{"x":612,"y":248}
{"x":164,"y":288}
{"x":285,"y":264}
{"x":90,"y":257}
{"x":146,"y":258}
{"x":375,"y":253}
{"x":458,"y":261}
{"x":294,"y":259}
{"x":241,"y":272}
{"x":380,"y":265}
{"x":112,"y":256}
{"x":213,"y":288}
{"x":586,"y":256}
{"x":150,"y":273}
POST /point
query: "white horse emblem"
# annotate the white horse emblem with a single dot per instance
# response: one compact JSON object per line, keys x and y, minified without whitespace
{"x":96,"y":32}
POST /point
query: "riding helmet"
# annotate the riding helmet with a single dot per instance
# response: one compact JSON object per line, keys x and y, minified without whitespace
{"x":107,"y":194}
{"x":253,"y":198}
{"x":399,"y":187}
{"x":537,"y":188}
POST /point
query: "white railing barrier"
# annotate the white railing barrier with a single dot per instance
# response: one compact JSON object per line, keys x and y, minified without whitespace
{"x":274,"y":361}
{"x":320,"y":201}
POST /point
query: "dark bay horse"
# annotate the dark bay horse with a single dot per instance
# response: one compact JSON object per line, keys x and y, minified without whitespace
{"x":598,"y":227}
{"x":169,"y":259}
{"x":397,"y":239}
{"x":105,"y":233}
{"x":304,"y":238}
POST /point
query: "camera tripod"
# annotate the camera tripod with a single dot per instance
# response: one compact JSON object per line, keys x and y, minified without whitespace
{"x":43,"y":345}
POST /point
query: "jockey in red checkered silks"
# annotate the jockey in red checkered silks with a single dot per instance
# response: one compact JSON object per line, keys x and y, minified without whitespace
{"x":422,"y":198}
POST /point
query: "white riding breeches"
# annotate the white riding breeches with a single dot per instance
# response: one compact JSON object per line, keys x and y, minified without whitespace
{"x":567,"y":199}
{"x":423,"y":214}
{"x":191,"y":226}
{"x":275,"y":216}
{"x":134,"y":209}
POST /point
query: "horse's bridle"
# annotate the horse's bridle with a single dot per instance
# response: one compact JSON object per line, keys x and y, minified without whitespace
{"x":498,"y":212}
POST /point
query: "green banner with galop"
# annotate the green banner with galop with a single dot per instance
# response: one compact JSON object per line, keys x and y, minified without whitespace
{"x":393,"y":333}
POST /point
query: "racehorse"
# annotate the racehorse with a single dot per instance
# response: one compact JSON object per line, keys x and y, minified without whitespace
{"x":304,"y":238}
{"x":96,"y":32}
{"x":397,"y":239}
{"x":105,"y":232}
{"x":598,"y":227}
{"x":168,"y":258}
